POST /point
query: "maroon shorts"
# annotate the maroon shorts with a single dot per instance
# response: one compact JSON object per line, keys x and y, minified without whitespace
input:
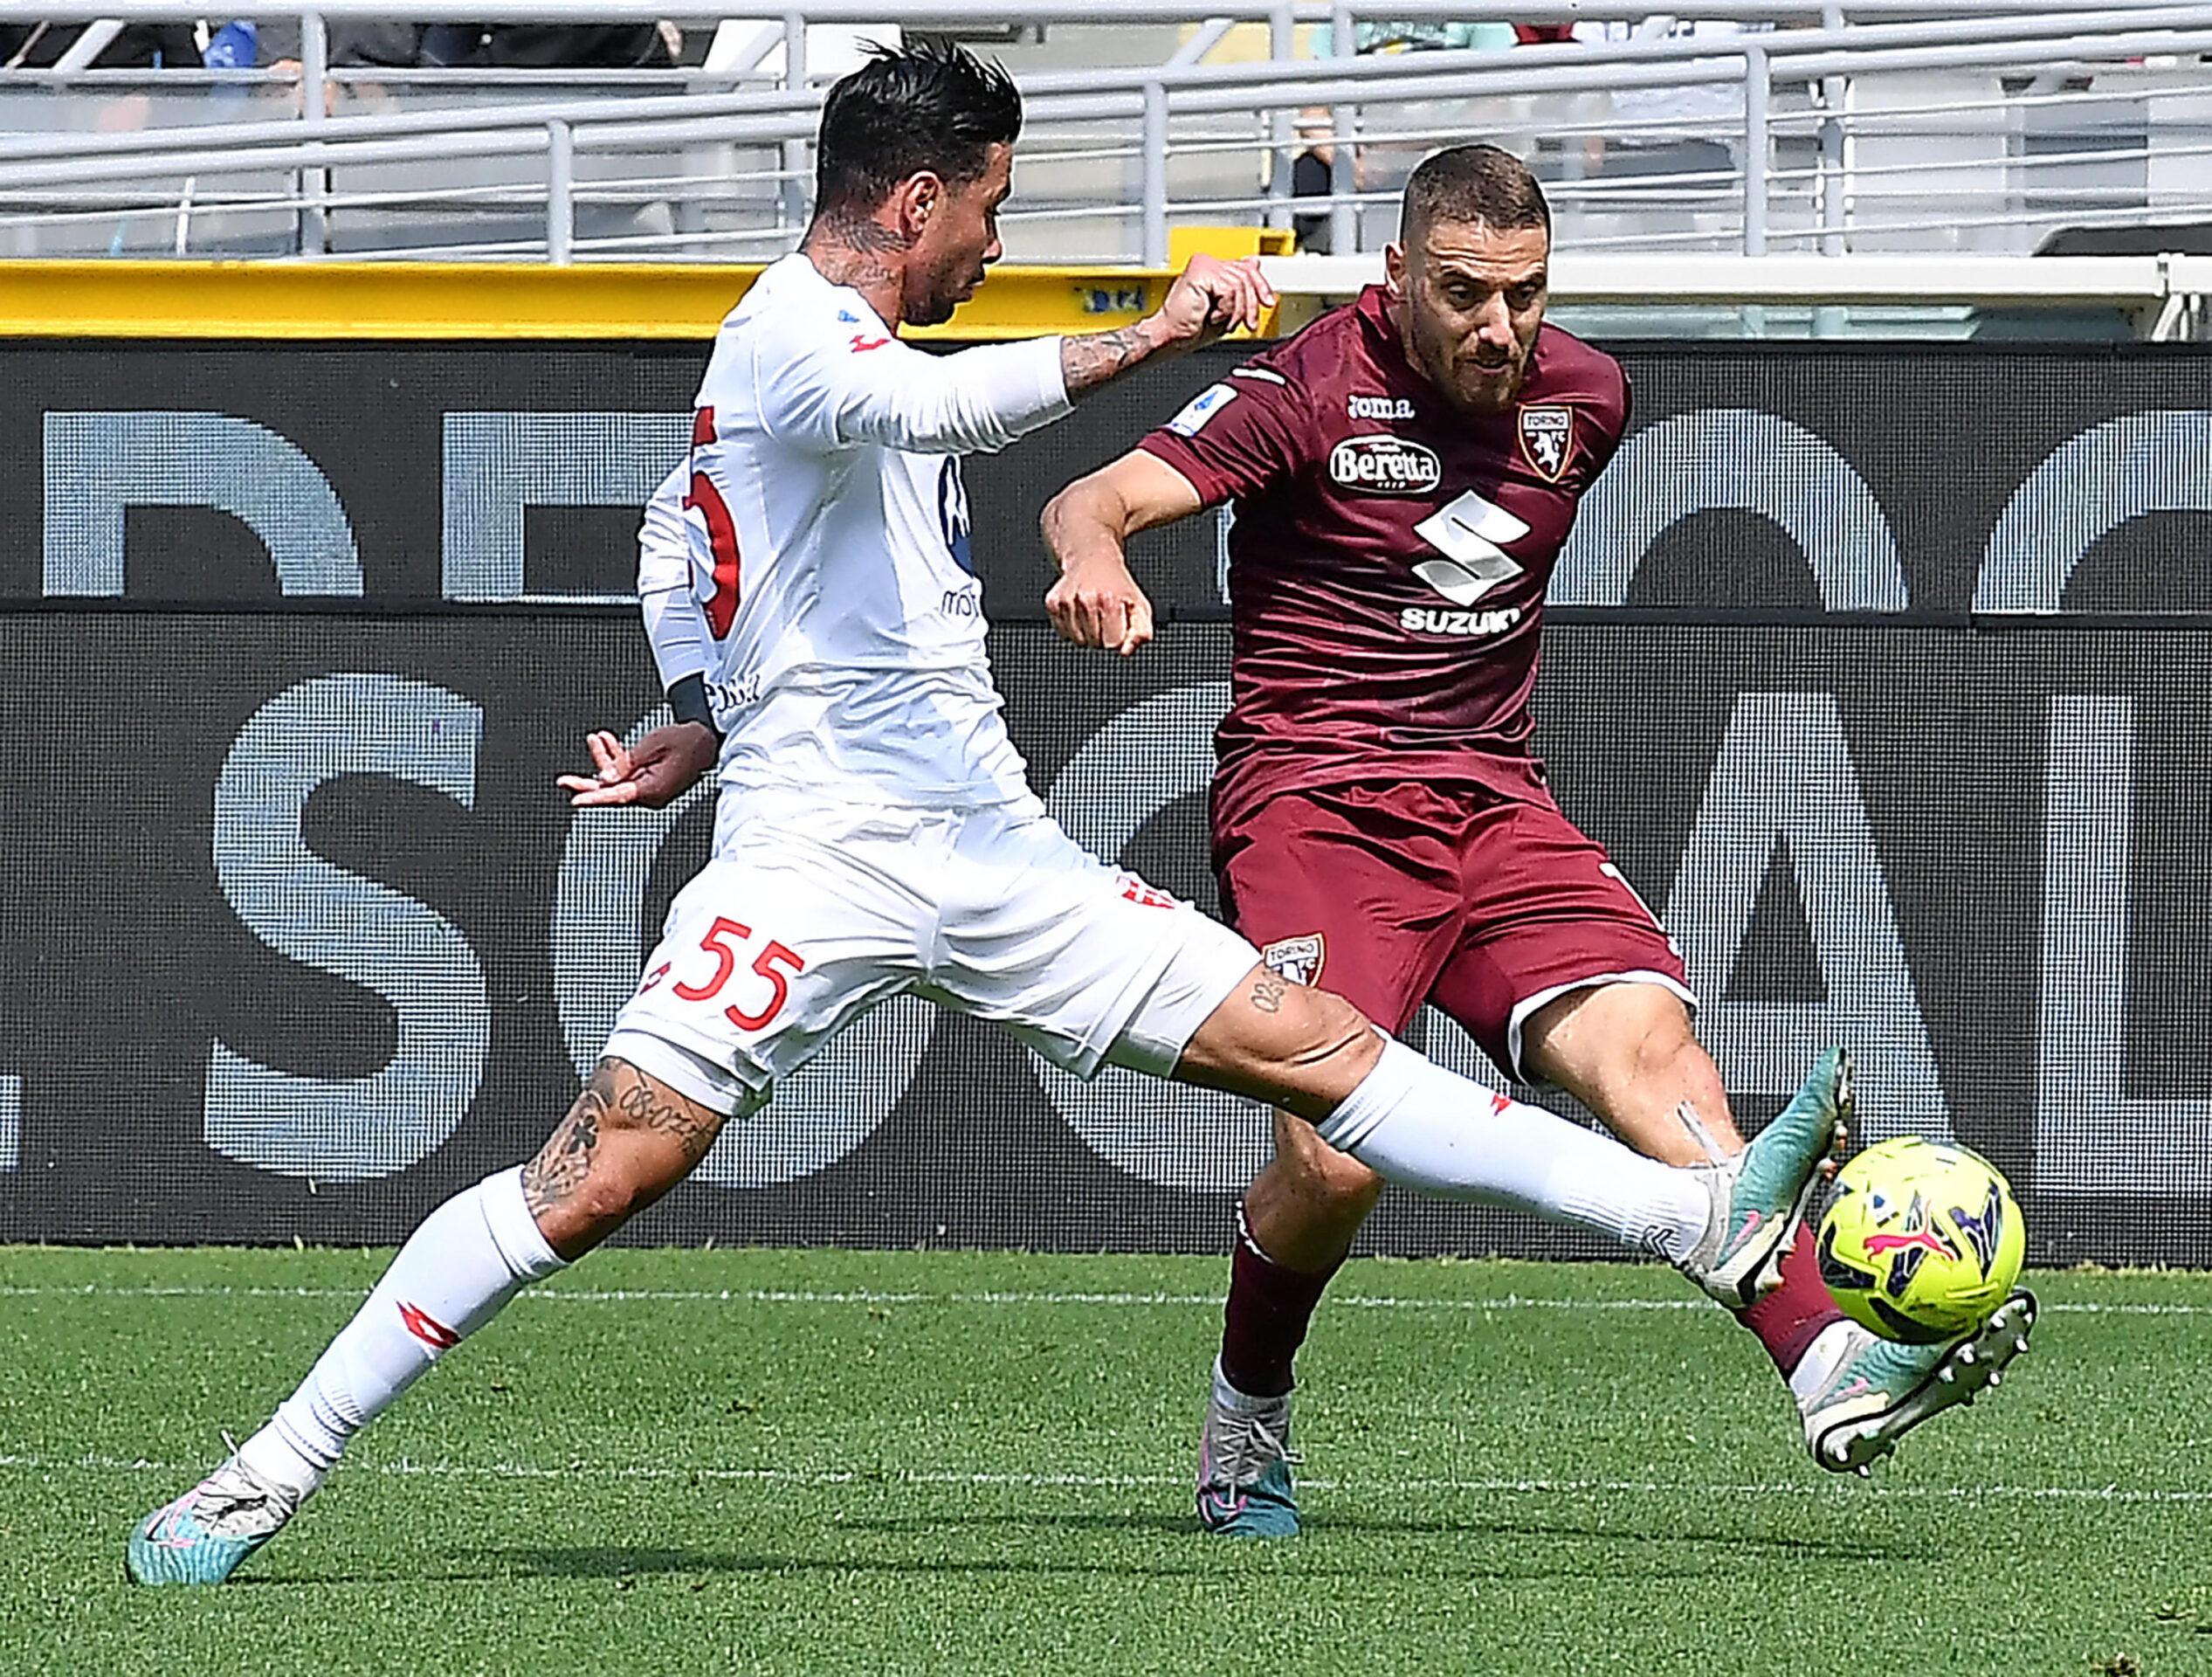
{"x":1398,"y":894}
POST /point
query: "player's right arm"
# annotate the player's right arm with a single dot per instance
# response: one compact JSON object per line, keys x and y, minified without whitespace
{"x":1234,"y":440}
{"x":1087,"y":527}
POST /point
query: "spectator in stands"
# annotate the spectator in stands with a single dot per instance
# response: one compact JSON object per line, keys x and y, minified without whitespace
{"x":102,"y":44}
{"x":1695,"y":128}
{"x":1313,"y":171}
{"x":554,"y":46}
{"x":1312,"y":175}
{"x":1378,"y":36}
{"x":352,"y":45}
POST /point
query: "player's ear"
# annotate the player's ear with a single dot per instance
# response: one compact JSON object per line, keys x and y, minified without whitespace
{"x":918,"y":199}
{"x":1393,"y":270}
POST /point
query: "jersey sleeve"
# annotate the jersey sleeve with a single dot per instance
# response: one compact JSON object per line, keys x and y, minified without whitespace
{"x":1612,"y":425}
{"x":836,"y":380}
{"x":674,"y":623}
{"x":1235,"y":438}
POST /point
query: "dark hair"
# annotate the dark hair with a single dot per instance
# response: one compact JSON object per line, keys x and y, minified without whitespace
{"x":1480,"y":183}
{"x":928,"y":105}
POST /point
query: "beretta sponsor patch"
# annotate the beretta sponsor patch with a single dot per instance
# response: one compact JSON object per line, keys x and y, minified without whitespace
{"x":1385,"y":465}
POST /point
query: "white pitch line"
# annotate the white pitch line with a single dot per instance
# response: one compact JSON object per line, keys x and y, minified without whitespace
{"x":922,"y":1478}
{"x":863,"y":1296}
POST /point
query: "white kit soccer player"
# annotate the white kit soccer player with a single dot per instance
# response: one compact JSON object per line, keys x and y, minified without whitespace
{"x":876,"y":830}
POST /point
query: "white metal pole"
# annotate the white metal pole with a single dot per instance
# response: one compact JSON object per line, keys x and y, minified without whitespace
{"x":1344,"y":215}
{"x":1831,"y":322}
{"x":793,"y":200}
{"x":560,"y":193}
{"x":1756,"y":86}
{"x":1283,"y":46}
{"x":1155,"y":175}
{"x":314,"y":83}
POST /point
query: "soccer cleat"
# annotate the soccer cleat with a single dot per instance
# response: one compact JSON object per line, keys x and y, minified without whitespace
{"x":1881,"y":1389}
{"x":1760,"y":1197}
{"x":1245,"y":1463}
{"x":201,"y":1536}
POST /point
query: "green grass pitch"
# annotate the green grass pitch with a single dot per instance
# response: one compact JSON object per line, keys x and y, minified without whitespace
{"x":827,"y":1462}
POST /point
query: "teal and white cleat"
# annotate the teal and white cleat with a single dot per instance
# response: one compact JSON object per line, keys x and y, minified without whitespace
{"x":1760,"y":1197}
{"x":1879,"y":1390}
{"x":201,"y":1536}
{"x":1245,"y":1463}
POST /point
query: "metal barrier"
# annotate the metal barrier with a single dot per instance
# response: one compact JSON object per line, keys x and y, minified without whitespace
{"x":1873,"y":125}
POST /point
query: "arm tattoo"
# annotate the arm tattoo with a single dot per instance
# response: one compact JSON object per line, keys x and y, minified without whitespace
{"x":1093,"y":360}
{"x":1267,"y":995}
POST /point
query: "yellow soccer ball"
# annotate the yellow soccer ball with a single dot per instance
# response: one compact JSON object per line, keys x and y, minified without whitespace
{"x":1922,"y":1240}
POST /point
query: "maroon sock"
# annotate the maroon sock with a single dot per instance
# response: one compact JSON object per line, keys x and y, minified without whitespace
{"x":1790,"y":1318}
{"x":1264,"y":1320}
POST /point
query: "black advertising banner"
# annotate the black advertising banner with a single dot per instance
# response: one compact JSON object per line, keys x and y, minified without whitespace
{"x":301,"y":937}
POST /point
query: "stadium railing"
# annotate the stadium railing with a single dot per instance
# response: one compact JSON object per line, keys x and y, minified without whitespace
{"x":1852,"y":128}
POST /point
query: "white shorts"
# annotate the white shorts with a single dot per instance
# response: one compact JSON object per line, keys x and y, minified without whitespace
{"x":809,"y":913}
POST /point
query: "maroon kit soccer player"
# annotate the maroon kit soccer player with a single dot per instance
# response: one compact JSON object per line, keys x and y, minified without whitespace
{"x":1405,"y":472}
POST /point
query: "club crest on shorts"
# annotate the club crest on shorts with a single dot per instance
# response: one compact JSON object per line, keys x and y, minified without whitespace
{"x":1547,"y":437}
{"x":1298,"y":959}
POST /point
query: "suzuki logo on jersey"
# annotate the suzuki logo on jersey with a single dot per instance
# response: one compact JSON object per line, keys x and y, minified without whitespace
{"x":1426,"y":620}
{"x":1547,"y":434}
{"x":951,"y":514}
{"x":1298,"y":959}
{"x":1385,"y":465}
{"x":1470,"y":533}
{"x":1201,"y":408}
{"x":1379,"y":407}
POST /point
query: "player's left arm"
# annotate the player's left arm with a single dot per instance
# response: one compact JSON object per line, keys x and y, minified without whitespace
{"x":822,"y":387}
{"x":1087,"y":526}
{"x":665,"y":764}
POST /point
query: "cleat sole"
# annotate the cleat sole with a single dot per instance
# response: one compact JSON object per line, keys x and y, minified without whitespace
{"x":1962,"y":1376}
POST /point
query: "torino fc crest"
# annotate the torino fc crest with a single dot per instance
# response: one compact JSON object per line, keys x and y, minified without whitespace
{"x":1298,"y":959}
{"x":1547,"y":438}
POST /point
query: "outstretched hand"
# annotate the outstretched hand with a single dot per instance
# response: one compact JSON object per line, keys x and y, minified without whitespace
{"x":654,"y":773}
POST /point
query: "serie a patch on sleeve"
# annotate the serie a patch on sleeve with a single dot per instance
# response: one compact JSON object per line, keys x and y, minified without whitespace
{"x":1201,"y":408}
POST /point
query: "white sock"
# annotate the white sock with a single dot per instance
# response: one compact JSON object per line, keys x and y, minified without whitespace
{"x":463,"y":1261}
{"x":1414,"y":1123}
{"x":1822,"y":1358}
{"x":1242,"y":1403}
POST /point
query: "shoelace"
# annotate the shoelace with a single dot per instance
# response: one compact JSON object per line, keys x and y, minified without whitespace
{"x":231,"y":1490}
{"x":1244,"y":1444}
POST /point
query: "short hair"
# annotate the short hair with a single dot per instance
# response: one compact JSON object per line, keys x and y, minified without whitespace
{"x":1483,"y":184}
{"x":928,"y":105}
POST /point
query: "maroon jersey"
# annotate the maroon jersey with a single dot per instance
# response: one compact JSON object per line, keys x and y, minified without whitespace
{"x":1389,"y":554}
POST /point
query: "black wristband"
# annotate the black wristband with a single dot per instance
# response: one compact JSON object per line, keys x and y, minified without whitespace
{"x":688,"y":700}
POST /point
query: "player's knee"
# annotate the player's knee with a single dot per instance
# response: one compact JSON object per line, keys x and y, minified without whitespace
{"x":626,"y":1142}
{"x":586,"y":1218}
{"x":1336,"y":1183}
{"x":1665,"y":1053}
{"x":1302,"y":1049}
{"x":626,"y":1175}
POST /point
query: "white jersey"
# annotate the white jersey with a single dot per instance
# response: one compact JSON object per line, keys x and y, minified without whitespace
{"x":810,"y":558}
